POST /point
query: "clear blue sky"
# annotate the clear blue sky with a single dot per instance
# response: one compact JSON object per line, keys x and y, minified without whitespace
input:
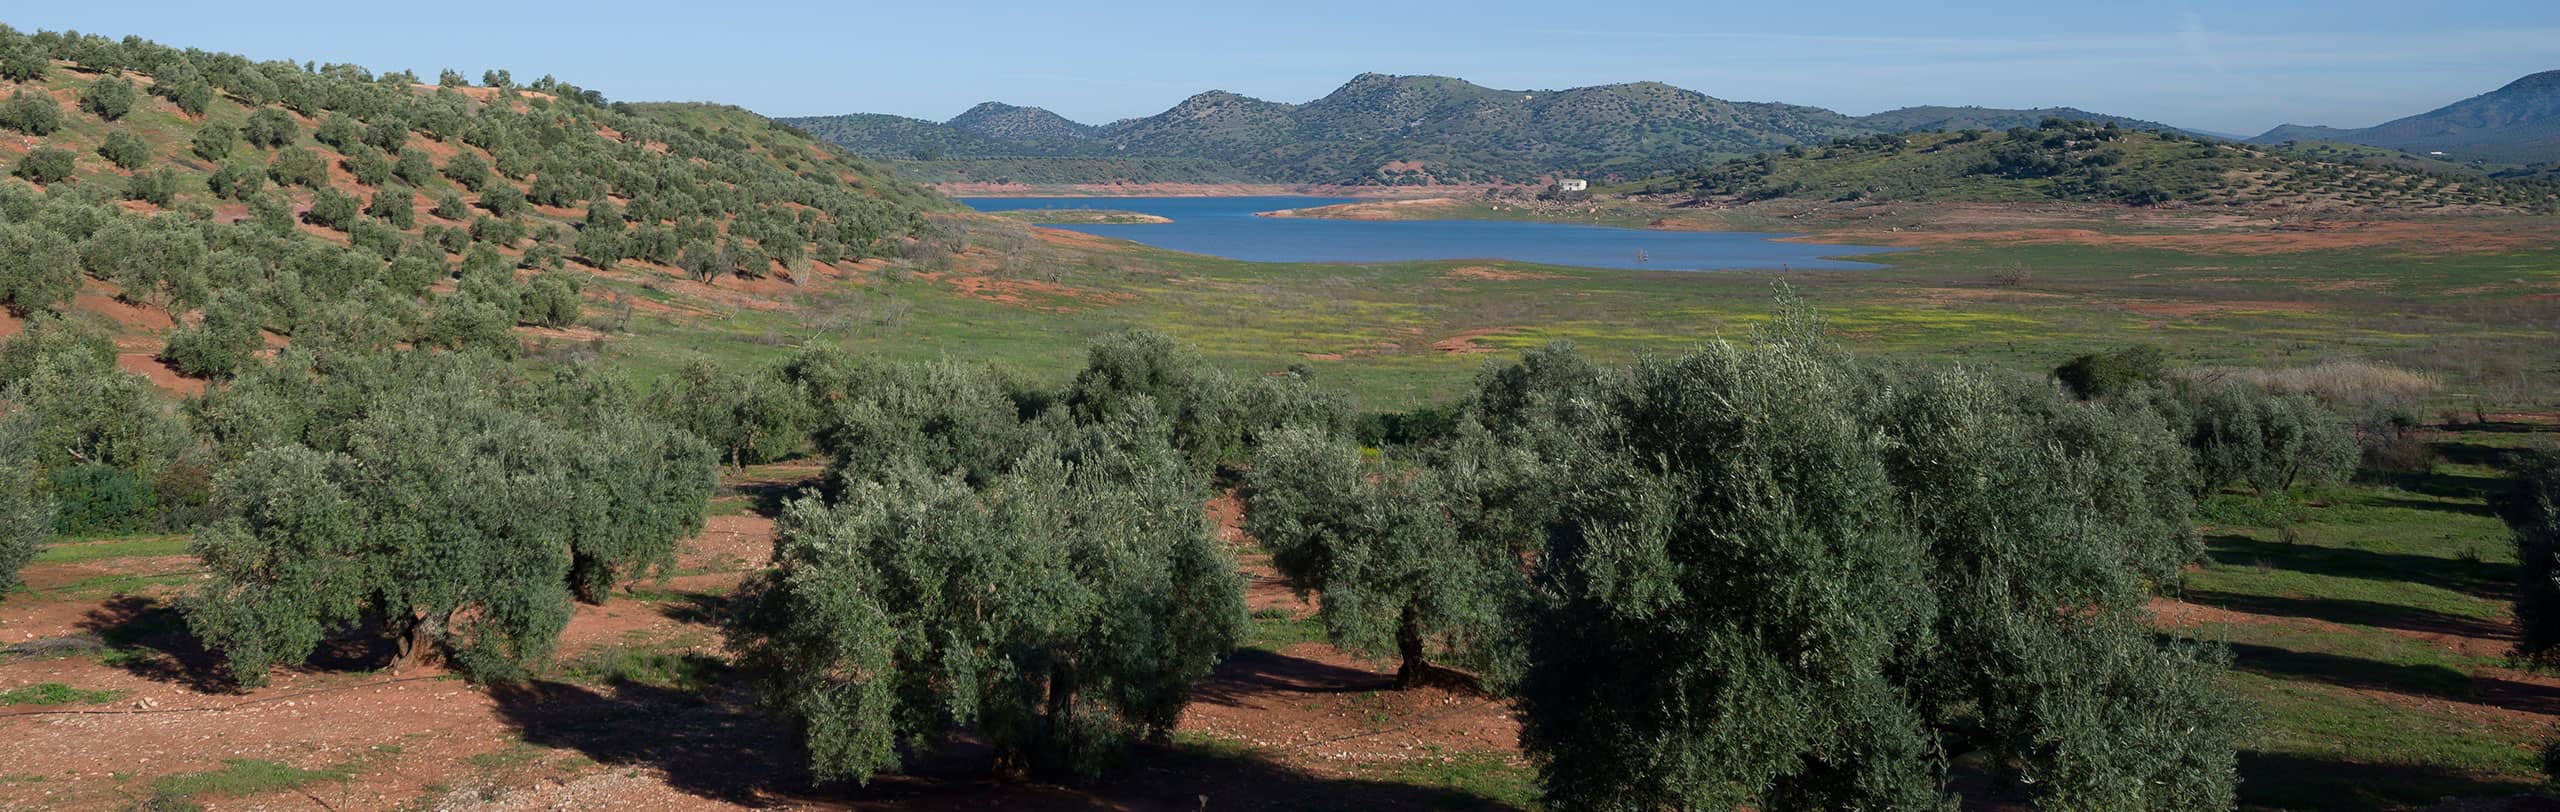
{"x":2235,"y":67}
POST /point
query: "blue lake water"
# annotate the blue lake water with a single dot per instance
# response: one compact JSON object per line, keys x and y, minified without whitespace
{"x":1227,"y":227}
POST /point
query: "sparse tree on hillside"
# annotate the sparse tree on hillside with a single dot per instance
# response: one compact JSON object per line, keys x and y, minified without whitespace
{"x":295,"y":166}
{"x":214,"y":140}
{"x":125,"y":150}
{"x":395,"y":205}
{"x":47,"y":165}
{"x":497,"y":78}
{"x":451,"y":78}
{"x":330,"y":208}
{"x":23,"y":63}
{"x":269,"y":128}
{"x":216,"y":346}
{"x":108,"y":97}
{"x":31,"y":112}
{"x":414,"y":168}
{"x":237,"y":180}
{"x":39,"y":268}
{"x":550,"y":300}
{"x":468,"y":169}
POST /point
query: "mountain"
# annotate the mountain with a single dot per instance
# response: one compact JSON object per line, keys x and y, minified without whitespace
{"x":1922,"y":119}
{"x":2518,"y":123}
{"x":1031,"y":124}
{"x":1382,"y":129}
{"x":2086,"y":162}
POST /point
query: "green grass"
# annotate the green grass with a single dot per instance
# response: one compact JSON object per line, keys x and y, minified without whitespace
{"x":670,"y":664}
{"x":70,"y":552}
{"x":1466,"y":774}
{"x":55,"y":693}
{"x":2360,"y":702}
{"x":1273,"y":630}
{"x":239,"y":778}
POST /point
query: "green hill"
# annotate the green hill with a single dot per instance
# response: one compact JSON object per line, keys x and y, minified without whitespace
{"x":329,"y":203}
{"x":2096,"y":163}
{"x":2515,"y":124}
{"x":1950,"y":119}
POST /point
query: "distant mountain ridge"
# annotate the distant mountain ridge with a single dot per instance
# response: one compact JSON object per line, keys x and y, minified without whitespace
{"x":1379,"y":129}
{"x":2518,"y":123}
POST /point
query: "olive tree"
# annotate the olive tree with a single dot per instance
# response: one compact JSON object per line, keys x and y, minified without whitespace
{"x":1394,"y":569}
{"x":1779,"y":577}
{"x":1059,"y":610}
{"x":47,"y":165}
{"x":2531,"y":507}
{"x":125,"y":150}
{"x":26,"y":506}
{"x":391,"y":490}
{"x":270,"y":128}
{"x":31,"y":112}
{"x":751,"y":415}
{"x":109,"y":97}
{"x":39,"y":268}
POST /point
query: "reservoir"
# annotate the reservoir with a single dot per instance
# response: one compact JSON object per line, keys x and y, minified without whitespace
{"x":1227,"y":227}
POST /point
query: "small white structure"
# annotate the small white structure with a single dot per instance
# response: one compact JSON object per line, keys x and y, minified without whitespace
{"x":1573,"y":185}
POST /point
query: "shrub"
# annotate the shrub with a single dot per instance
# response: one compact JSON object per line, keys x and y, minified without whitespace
{"x":125,"y":150}
{"x":110,"y":97}
{"x":95,"y":499}
{"x":47,"y":165}
{"x":31,"y":112}
{"x":2107,"y":374}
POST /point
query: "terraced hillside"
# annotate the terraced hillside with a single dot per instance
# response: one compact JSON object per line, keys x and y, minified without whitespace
{"x":2078,"y":161}
{"x":206,"y":200}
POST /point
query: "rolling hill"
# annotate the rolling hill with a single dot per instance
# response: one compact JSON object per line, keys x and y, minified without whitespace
{"x":1387,"y":130}
{"x":194,"y":205}
{"x":2515,"y":124}
{"x":2084,"y":162}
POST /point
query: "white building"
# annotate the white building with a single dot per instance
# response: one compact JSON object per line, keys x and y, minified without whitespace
{"x":1573,"y":185}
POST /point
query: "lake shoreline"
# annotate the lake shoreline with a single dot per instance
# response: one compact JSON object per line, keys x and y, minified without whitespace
{"x":1270,"y":229}
{"x":1107,"y":190}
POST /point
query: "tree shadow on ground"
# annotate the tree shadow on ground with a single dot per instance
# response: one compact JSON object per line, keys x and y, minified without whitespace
{"x":697,"y":607}
{"x":148,"y":638}
{"x":2352,"y":672}
{"x":2446,"y":486}
{"x":715,"y":745}
{"x":767,"y":498}
{"x":2479,"y":579}
{"x":2516,"y":695}
{"x":2291,"y":781}
{"x":2356,"y":612}
{"x":1250,"y":673}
